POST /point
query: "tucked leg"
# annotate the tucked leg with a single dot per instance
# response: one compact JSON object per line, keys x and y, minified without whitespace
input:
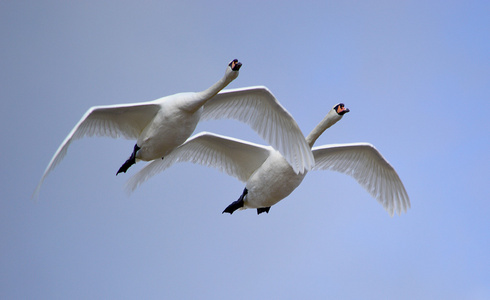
{"x":236,"y":204}
{"x":131,"y":161}
{"x":263,"y":209}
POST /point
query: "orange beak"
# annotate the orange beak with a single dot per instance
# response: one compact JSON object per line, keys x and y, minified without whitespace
{"x":341,"y":109}
{"x":235,"y":65}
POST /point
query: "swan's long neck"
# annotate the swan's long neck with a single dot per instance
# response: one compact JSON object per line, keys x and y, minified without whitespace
{"x":216,"y":88}
{"x":331,"y":118}
{"x":203,"y":96}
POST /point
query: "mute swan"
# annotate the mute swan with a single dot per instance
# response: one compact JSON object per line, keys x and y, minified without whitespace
{"x":268,"y":176}
{"x":161,"y":125}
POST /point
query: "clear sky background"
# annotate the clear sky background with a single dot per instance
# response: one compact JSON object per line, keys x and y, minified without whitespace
{"x":415,"y":75}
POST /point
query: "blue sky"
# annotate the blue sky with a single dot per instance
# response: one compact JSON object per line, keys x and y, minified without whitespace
{"x":415,"y":75}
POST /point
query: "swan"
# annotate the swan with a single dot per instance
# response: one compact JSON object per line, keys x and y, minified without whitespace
{"x":161,"y":125}
{"x":268,"y":176}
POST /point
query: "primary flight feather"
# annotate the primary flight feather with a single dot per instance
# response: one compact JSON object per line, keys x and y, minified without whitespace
{"x":162,"y":125}
{"x":269,"y":177}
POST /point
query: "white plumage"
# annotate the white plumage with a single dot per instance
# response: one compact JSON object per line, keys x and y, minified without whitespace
{"x":161,"y":125}
{"x":369,"y":168}
{"x":268,"y":176}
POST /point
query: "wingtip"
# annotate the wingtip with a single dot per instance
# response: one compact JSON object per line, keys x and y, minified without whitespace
{"x":301,"y":167}
{"x":130,"y":187}
{"x":35,"y":194}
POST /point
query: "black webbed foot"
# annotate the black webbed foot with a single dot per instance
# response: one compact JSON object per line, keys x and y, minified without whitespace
{"x":263,"y":209}
{"x":131,"y":161}
{"x":236,"y":204}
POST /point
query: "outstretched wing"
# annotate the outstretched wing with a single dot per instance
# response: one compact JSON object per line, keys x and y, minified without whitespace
{"x":369,"y":168}
{"x":258,"y":107}
{"x":127,"y":120}
{"x":235,"y":157}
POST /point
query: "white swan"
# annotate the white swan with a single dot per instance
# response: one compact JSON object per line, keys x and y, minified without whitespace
{"x":268,"y":176}
{"x":161,"y":125}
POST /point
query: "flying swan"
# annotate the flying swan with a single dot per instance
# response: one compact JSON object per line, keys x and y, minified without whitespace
{"x":268,"y":176}
{"x":161,"y":125}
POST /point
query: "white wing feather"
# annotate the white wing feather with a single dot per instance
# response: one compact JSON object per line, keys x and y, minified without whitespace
{"x":112,"y":120}
{"x":235,"y":157}
{"x":258,"y":107}
{"x":369,"y":168}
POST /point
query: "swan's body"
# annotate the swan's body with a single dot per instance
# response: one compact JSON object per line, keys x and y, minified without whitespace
{"x":268,"y":176}
{"x":161,"y":125}
{"x":272,"y":182}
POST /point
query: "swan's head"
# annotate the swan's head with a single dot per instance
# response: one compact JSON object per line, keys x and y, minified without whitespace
{"x":232,"y":70}
{"x":333,"y":116}
{"x":340,"y":109}
{"x":235,"y":65}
